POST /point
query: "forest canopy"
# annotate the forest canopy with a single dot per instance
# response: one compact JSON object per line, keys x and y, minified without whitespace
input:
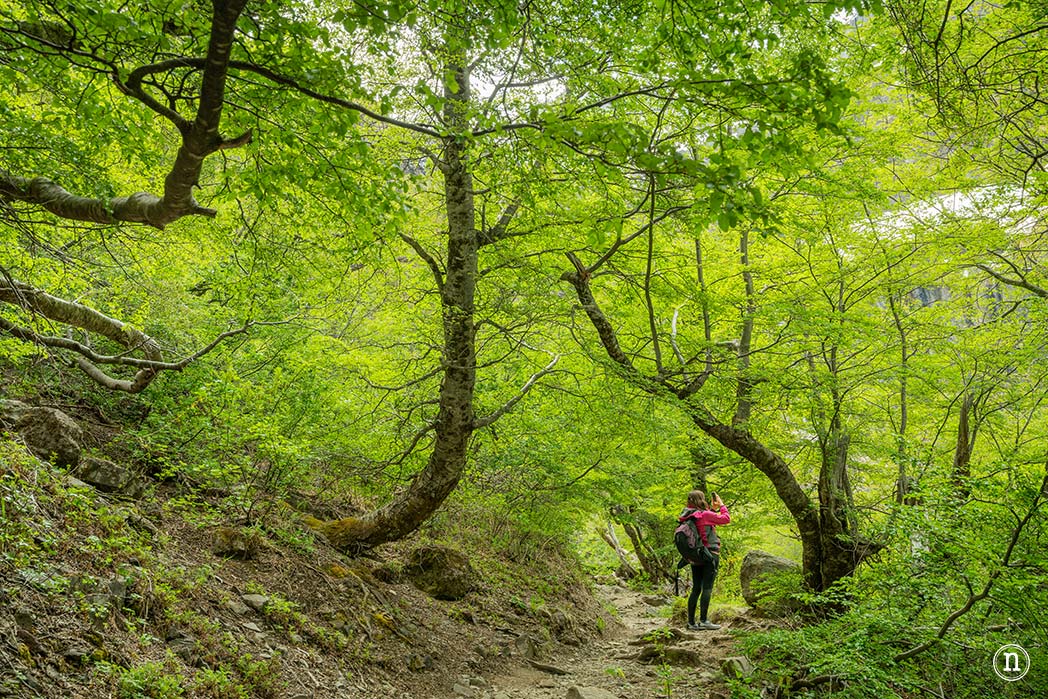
{"x":562,"y":259}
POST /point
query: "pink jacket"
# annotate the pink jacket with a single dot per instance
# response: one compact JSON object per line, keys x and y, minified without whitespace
{"x":708,"y":517}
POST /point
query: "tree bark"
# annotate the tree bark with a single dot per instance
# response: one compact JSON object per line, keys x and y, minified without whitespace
{"x":455,"y":420}
{"x":69,"y":313}
{"x":962,"y":454}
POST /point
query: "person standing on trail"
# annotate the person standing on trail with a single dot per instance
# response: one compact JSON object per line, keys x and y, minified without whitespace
{"x":707,"y":518}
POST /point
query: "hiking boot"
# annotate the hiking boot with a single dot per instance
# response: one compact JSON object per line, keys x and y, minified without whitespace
{"x":692,"y":626}
{"x":707,"y":626}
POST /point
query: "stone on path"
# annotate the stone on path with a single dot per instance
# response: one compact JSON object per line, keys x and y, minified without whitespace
{"x":589,"y":693}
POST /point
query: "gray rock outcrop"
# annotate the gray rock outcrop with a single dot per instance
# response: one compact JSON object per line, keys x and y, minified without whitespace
{"x":758,"y":564}
{"x":104,"y":475}
{"x":50,"y":434}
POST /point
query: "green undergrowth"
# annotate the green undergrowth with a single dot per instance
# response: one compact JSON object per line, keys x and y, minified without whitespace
{"x":67,"y":547}
{"x":910,"y":623}
{"x":172,"y":634}
{"x":536,"y":573}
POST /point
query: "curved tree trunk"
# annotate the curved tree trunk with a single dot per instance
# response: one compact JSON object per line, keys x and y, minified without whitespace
{"x":825,"y":558}
{"x":455,"y":421}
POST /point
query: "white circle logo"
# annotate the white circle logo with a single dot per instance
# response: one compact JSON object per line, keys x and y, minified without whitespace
{"x":1011,"y":662}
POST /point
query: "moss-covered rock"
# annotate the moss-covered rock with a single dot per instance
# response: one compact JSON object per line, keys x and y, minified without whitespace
{"x":441,"y":572}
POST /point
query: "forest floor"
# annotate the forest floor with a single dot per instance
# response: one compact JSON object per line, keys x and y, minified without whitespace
{"x":646,"y":656}
{"x":106,"y":596}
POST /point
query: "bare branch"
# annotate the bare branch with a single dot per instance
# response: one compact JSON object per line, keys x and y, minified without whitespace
{"x":499,"y":230}
{"x":512,"y":402}
{"x":1021,"y":283}
{"x":77,"y":315}
{"x":346,"y":104}
{"x":431,"y":262}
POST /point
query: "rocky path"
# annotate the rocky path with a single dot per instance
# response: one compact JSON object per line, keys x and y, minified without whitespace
{"x":626,"y":664}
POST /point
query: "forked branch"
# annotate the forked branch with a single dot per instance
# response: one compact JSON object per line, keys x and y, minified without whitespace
{"x":89,"y":320}
{"x":512,"y":402}
{"x":200,"y":138}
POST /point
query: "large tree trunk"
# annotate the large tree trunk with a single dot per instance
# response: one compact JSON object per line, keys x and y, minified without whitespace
{"x":454,"y":424}
{"x":836,"y":508}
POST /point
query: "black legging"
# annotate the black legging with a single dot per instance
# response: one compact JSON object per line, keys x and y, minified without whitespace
{"x":701,"y":581}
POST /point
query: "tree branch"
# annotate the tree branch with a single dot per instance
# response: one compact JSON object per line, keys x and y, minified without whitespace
{"x":74,"y":314}
{"x":985,"y":592}
{"x":1021,"y":283}
{"x":512,"y":402}
{"x":498,"y":231}
{"x":200,"y":138}
{"x":431,"y":262}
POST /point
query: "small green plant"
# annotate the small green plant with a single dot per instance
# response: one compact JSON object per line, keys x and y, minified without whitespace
{"x":261,"y":677}
{"x":616,"y":671}
{"x":664,"y":675}
{"x":150,"y":681}
{"x":659,"y":635}
{"x":217,"y":684}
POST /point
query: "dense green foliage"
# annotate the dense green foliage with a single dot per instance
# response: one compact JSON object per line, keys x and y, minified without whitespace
{"x":835,"y":243}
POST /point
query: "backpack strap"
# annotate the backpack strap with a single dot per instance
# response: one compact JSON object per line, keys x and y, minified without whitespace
{"x":702,"y":532}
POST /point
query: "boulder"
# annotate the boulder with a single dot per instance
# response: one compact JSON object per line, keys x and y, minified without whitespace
{"x":441,"y":572}
{"x":105,"y":475}
{"x":231,"y":542}
{"x":11,"y":411}
{"x":758,"y":564}
{"x":737,"y":668}
{"x":527,"y":645}
{"x":51,"y":435}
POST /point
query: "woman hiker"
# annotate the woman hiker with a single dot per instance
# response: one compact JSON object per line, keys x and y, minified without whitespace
{"x":702,"y":576}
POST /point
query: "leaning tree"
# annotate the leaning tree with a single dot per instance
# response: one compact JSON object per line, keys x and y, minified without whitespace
{"x":499,"y":97}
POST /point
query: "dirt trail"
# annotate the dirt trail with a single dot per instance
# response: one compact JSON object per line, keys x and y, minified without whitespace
{"x":622,"y":664}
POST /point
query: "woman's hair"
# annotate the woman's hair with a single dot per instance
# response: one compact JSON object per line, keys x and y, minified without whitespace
{"x":697,"y":500}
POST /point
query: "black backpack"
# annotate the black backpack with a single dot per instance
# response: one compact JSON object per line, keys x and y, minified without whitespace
{"x":691,"y":544}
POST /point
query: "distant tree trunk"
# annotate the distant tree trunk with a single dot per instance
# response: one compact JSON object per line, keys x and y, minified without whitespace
{"x":962,"y":455}
{"x":902,"y":483}
{"x":645,"y":554}
{"x":626,"y":570}
{"x":702,"y":463}
{"x":744,"y":385}
{"x":454,"y":424}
